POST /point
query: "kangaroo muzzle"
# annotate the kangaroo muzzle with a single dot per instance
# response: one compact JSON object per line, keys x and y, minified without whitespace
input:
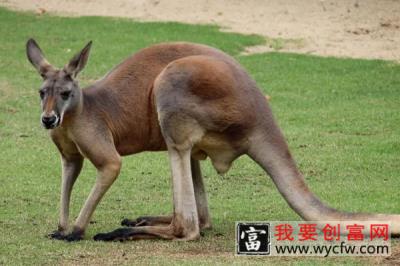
{"x":50,"y":121}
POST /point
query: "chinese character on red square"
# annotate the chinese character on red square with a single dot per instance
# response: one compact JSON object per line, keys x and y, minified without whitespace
{"x":379,"y":231}
{"x":355,"y":232}
{"x":308,"y":232}
{"x":331,"y":232}
{"x":284,"y":232}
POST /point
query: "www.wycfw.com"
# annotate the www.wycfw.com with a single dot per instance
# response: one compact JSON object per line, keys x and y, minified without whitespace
{"x":332,"y":250}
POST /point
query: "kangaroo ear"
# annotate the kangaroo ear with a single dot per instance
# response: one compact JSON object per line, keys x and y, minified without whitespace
{"x":35,"y":56}
{"x":78,"y":62}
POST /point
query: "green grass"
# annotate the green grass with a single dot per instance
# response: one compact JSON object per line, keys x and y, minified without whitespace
{"x":341,"y":118}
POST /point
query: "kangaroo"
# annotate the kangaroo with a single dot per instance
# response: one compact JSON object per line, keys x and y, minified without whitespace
{"x":191,"y":100}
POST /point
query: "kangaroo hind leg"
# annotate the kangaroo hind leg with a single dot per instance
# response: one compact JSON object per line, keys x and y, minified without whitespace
{"x":200,"y":195}
{"x":147,"y":220}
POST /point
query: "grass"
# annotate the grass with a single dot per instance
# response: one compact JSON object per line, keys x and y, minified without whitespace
{"x":340,"y":116}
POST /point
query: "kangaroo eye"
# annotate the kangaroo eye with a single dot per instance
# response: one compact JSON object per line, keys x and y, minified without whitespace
{"x":41,"y":93}
{"x":65,"y":95}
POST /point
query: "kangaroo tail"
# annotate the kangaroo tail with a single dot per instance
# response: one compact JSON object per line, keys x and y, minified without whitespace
{"x":269,"y":149}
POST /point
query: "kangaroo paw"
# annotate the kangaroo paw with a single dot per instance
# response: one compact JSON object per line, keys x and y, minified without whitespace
{"x":59,"y":235}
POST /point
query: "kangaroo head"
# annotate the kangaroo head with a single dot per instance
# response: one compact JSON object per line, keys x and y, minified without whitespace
{"x":60,"y":93}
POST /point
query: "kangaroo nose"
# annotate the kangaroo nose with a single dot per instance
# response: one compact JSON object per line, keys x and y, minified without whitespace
{"x":49,"y":120}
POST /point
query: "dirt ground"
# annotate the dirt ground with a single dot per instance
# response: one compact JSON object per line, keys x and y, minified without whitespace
{"x":344,"y":28}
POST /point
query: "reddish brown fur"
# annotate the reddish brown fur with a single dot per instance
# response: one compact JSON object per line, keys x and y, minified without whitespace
{"x":189,"y":99}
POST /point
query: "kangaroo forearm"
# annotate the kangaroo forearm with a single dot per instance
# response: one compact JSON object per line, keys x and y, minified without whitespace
{"x":106,"y":177}
{"x":71,"y":170}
